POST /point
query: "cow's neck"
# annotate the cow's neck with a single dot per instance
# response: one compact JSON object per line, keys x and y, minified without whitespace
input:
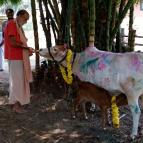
{"x":74,"y":61}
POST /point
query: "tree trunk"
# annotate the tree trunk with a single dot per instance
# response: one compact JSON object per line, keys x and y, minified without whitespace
{"x":120,"y":18}
{"x":131,"y":35}
{"x":35,"y":28}
{"x":118,"y":35}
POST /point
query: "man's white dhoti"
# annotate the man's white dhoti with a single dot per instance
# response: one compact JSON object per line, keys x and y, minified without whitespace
{"x":19,"y":91}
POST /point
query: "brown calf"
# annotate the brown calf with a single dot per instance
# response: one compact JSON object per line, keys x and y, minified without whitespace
{"x":88,"y":92}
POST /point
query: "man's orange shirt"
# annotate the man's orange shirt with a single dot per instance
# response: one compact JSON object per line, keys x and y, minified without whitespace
{"x":11,"y":52}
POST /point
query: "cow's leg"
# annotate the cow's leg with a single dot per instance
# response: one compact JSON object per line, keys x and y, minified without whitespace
{"x":135,"y":109}
{"x":132,"y":96}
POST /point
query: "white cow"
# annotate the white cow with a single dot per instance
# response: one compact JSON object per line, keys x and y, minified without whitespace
{"x":115,"y":72}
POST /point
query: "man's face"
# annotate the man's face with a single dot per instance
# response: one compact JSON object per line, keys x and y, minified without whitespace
{"x":24,"y":18}
{"x":10,"y":15}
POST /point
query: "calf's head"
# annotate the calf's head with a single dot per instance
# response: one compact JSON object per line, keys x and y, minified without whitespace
{"x":58,"y":52}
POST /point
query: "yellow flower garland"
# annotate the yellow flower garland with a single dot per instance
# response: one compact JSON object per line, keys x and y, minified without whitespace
{"x":67,"y":76}
{"x":115,"y":112}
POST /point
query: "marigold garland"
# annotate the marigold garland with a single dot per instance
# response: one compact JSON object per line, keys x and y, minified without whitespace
{"x":67,"y":75}
{"x":115,"y":112}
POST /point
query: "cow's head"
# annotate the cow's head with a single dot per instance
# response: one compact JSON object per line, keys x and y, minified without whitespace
{"x":58,"y":52}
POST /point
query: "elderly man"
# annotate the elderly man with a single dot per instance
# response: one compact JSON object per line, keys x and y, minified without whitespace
{"x":17,"y":52}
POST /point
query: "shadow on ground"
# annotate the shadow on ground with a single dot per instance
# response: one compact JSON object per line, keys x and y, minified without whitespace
{"x":48,"y":120}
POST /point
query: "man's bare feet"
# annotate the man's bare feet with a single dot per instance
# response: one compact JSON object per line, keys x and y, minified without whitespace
{"x":18,"y":108}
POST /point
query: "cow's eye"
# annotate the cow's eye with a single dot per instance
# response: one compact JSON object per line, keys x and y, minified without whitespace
{"x":55,"y":50}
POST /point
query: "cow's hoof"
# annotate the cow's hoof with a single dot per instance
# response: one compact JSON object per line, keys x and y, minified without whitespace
{"x":141,"y":132}
{"x":73,"y":116}
{"x":133,"y":136}
{"x":86,"y":118}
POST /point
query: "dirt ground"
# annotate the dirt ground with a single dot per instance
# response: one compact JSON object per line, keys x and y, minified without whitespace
{"x":48,"y":120}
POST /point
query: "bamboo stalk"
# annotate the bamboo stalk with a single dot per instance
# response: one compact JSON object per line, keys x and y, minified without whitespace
{"x":91,"y":23}
{"x":108,"y":45}
{"x":36,"y":37}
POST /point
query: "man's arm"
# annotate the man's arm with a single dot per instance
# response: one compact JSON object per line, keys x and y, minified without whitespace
{"x":1,"y":43}
{"x":16,"y":44}
{"x":3,"y":27}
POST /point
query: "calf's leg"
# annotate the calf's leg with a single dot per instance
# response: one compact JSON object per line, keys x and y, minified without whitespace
{"x":77,"y":103}
{"x":84,"y":110}
{"x":104,"y":116}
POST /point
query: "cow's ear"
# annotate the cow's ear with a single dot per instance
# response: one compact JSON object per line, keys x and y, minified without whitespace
{"x":63,"y":47}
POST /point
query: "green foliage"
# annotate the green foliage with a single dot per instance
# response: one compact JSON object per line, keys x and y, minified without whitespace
{"x":13,"y":2}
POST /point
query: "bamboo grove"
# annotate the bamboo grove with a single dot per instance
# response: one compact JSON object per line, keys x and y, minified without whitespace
{"x":76,"y":21}
{"x":79,"y":23}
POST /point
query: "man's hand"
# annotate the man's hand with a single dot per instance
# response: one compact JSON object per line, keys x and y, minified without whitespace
{"x":31,"y":51}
